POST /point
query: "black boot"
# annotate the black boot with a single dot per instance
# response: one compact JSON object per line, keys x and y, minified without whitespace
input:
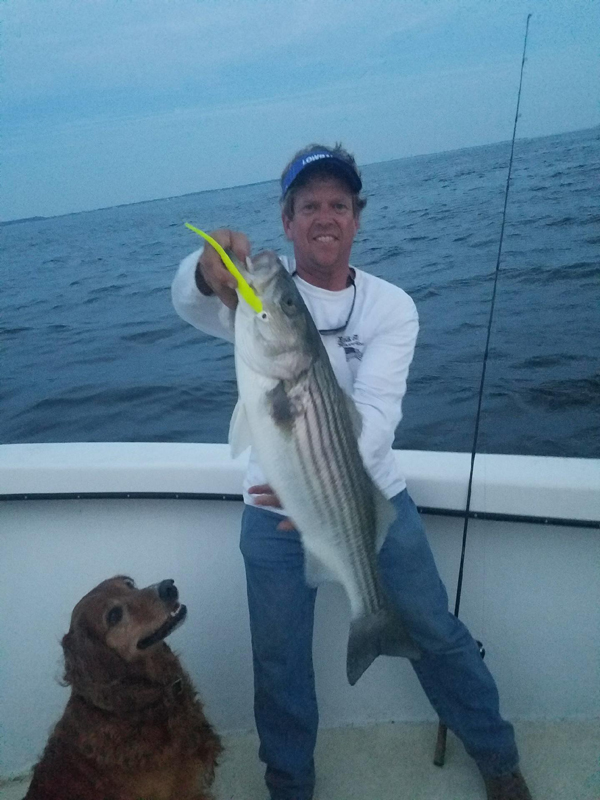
{"x":507,"y":787}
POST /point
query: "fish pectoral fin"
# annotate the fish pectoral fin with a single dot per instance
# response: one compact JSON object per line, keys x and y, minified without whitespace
{"x":380,"y":634}
{"x":287,"y":402}
{"x":239,"y":430}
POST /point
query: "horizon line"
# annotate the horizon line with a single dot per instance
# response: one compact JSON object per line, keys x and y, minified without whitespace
{"x":38,"y":217}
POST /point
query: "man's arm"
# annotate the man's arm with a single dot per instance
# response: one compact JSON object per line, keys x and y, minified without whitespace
{"x":380,"y":383}
{"x":203,"y":291}
{"x":207,"y":313}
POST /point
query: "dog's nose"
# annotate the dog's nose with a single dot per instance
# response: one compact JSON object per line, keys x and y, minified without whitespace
{"x":167,"y":590}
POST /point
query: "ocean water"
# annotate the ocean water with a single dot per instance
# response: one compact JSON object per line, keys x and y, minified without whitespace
{"x":92,"y":350}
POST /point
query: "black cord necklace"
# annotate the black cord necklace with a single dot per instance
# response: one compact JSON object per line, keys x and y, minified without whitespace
{"x":329,"y":331}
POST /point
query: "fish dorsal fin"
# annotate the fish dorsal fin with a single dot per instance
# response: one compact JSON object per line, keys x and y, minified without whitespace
{"x":386,"y":514}
{"x":239,"y":430}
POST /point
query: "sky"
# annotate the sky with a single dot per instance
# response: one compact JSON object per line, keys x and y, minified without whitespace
{"x":117,"y":101}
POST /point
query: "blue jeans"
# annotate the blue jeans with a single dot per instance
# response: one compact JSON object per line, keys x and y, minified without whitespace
{"x":451,"y":670}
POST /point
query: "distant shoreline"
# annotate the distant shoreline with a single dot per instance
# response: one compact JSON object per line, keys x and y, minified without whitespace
{"x":22,"y":219}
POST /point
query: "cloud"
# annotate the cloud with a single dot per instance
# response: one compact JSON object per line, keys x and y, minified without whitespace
{"x":80,"y":50}
{"x":132,"y":99}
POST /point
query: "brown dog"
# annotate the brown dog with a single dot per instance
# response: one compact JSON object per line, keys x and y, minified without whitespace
{"x":133,"y":728}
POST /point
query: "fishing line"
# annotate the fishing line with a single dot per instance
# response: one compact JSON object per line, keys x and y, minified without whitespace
{"x":489,"y":331}
{"x":440,"y":750}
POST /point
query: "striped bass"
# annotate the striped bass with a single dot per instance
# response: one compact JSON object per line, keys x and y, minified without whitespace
{"x":304,"y":431}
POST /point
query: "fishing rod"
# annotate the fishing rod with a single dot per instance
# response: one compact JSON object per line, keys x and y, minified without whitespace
{"x":440,"y":748}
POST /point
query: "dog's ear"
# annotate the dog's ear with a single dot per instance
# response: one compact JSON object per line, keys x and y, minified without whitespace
{"x":88,"y":661}
{"x":70,"y":658}
{"x":79,"y":658}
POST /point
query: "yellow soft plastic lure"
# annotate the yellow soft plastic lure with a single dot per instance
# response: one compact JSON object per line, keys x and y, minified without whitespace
{"x":247,"y":293}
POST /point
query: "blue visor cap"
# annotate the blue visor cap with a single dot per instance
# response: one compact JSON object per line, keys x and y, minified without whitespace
{"x":302,"y":162}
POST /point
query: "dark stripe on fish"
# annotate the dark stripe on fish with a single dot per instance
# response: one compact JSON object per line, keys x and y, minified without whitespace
{"x":333,"y":458}
{"x":309,"y":450}
{"x":359,"y":502}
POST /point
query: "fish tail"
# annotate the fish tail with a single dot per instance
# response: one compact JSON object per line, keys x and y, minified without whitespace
{"x":379,"y":634}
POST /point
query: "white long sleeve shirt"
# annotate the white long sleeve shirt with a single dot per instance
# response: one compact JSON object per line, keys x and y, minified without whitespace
{"x":370,"y":358}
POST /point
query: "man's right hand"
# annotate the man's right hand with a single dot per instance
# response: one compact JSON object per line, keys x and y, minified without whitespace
{"x":212,"y":273}
{"x":263,"y":495}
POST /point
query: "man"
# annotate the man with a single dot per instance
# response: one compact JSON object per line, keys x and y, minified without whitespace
{"x":369,"y":329}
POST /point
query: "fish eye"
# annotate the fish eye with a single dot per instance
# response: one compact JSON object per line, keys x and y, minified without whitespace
{"x":288,"y":305}
{"x":114,"y":616}
{"x":263,"y":315}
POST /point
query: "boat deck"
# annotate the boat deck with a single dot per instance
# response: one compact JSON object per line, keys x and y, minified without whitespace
{"x":561,"y":761}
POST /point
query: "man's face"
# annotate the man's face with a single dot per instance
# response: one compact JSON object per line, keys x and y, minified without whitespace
{"x":324,"y":226}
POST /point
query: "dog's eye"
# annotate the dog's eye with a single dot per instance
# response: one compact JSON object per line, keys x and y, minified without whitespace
{"x":129,"y":582}
{"x":114,"y":616}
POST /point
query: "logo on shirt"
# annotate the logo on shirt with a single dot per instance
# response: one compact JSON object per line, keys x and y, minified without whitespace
{"x":353,"y":347}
